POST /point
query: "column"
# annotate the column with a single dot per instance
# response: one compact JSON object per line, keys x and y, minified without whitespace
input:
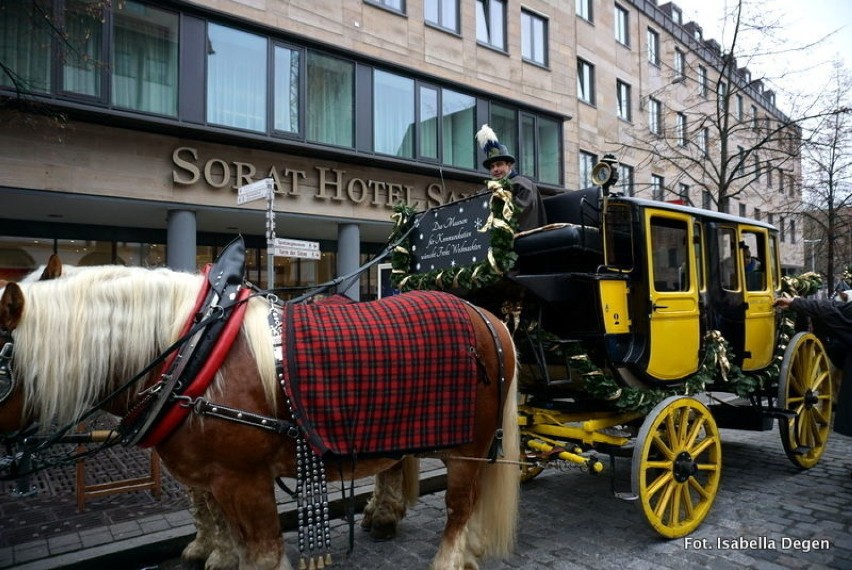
{"x":180,"y":241}
{"x":349,"y":258}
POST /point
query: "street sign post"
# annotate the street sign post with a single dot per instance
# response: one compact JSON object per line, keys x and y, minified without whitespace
{"x":259,"y":190}
{"x":296,"y":248}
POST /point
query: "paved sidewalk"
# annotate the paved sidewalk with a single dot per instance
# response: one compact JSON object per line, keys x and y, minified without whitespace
{"x":768,"y":515}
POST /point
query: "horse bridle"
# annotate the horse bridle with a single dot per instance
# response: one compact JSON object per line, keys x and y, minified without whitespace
{"x":7,"y":379}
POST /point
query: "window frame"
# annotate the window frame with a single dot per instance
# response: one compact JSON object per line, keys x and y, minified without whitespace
{"x":680,"y":129}
{"x":487,"y":6}
{"x":440,"y":23}
{"x":583,"y":79}
{"x":653,"y":41}
{"x":586,"y":162}
{"x":623,"y":100}
{"x":655,"y":116}
{"x":658,"y":187}
{"x":679,"y":65}
{"x":585,"y":10}
{"x":387,"y":5}
{"x":531,"y":18}
{"x":622,"y":25}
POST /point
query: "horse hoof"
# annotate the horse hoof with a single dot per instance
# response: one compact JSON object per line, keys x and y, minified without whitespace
{"x":381,"y":533}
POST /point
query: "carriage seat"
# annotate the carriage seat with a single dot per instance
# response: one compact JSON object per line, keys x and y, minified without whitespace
{"x":573,"y":219}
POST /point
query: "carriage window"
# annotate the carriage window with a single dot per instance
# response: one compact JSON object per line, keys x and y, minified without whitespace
{"x":619,"y":237}
{"x":728,"y":250}
{"x":771,"y":259}
{"x":753,"y":250}
{"x":670,"y":252}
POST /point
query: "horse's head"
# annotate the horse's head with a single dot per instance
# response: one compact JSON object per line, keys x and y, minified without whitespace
{"x":11,"y":394}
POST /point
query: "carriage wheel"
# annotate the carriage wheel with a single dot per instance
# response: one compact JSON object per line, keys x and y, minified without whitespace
{"x":677,"y":464}
{"x":804,"y":387}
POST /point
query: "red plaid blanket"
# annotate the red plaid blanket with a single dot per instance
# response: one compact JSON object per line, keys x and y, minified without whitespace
{"x":388,"y":376}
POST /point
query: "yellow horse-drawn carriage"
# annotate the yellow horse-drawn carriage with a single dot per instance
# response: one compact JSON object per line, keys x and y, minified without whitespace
{"x":643,"y":328}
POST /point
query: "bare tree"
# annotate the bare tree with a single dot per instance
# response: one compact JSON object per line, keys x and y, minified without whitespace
{"x":724,"y":134}
{"x":827,"y":177}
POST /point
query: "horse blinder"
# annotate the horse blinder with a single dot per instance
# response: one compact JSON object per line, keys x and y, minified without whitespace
{"x":7,"y":380}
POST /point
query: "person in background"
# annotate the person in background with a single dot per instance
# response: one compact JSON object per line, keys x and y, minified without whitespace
{"x":834,"y":318}
{"x":501,"y":165}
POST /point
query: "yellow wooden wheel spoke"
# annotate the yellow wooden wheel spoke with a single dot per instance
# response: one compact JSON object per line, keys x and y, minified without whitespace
{"x":663,"y":447}
{"x":702,"y":446}
{"x":695,"y":429}
{"x":688,"y":505}
{"x":674,"y":512}
{"x":665,"y":499}
{"x":711,"y":467}
{"x":699,"y":488}
{"x":659,"y":483}
{"x":664,"y":464}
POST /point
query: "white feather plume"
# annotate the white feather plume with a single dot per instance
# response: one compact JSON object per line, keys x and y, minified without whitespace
{"x":486,"y":137}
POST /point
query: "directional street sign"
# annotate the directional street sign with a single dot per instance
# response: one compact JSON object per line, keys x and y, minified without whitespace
{"x":296,"y":248}
{"x":255,"y":191}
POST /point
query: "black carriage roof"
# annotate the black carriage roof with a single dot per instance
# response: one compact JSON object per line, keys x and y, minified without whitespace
{"x":708,"y":215}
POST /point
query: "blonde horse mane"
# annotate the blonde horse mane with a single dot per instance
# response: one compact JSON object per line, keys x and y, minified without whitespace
{"x":85,"y":334}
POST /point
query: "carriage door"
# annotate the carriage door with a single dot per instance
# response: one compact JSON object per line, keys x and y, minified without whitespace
{"x":757,"y":269}
{"x":675,"y":332}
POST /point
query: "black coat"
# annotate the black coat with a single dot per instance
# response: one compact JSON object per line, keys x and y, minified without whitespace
{"x":528,"y":198}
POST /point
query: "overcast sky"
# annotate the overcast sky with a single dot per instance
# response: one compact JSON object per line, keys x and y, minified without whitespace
{"x":800,"y":23}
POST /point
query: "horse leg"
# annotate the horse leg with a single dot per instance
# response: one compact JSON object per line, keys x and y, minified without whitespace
{"x":213,"y":543}
{"x":394,"y":489}
{"x":248,"y":504}
{"x":462,"y":492}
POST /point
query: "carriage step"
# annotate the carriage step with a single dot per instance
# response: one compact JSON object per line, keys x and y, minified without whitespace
{"x":780,"y":413}
{"x":629,"y":497}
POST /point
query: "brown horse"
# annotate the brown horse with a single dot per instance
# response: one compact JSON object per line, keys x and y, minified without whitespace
{"x":79,"y":337}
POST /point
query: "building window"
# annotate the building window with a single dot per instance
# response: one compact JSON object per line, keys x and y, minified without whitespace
{"x":625,"y":179}
{"x":655,"y":116}
{"x":533,"y":38}
{"x":680,"y":129}
{"x":145,"y":59}
{"x":653,"y":47}
{"x":286,"y":96}
{"x":491,"y":23}
{"x":769,"y":181}
{"x":540,"y":144}
{"x":792,"y":231}
{"x":706,"y":200}
{"x":742,"y":210}
{"x":782,"y":227}
{"x":584,"y":10}
{"x":330,"y":104}
{"x":757,"y":167}
{"x":739,"y":109}
{"x":625,"y":107}
{"x":679,"y":65}
{"x":25,"y":49}
{"x":683,"y":193}
{"x":82,"y":46}
{"x":704,"y":141}
{"x":457,"y":122}
{"x":395,"y":5}
{"x":442,"y":13}
{"x":657,"y":186}
{"x":702,"y":81}
{"x":236,"y":78}
{"x":757,"y":214}
{"x":585,"y":81}
{"x":754,"y":120}
{"x":622,"y":25}
{"x":393,"y":114}
{"x":781,"y":181}
{"x":740,"y":159}
{"x":587,"y":163}
{"x":677,"y":16}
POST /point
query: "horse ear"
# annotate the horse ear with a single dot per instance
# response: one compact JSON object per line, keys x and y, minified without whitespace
{"x":53,"y":268}
{"x":11,"y":306}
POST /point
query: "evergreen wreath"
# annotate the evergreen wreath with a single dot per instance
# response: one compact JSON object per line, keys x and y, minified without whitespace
{"x":502,"y":223}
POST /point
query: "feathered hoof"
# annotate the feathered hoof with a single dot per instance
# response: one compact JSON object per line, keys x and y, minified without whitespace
{"x":221,"y":560}
{"x":382,"y":532}
{"x":196,"y":551}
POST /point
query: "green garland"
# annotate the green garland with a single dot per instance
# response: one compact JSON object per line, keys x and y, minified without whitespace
{"x":501,"y":256}
{"x":801,"y":285}
{"x":847,"y":275}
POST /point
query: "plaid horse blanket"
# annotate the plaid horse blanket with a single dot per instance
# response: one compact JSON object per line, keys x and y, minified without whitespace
{"x":384,"y":377}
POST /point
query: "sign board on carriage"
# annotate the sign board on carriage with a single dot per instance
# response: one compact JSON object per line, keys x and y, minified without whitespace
{"x":449,"y":236}
{"x":296,"y":248}
{"x":255,"y":191}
